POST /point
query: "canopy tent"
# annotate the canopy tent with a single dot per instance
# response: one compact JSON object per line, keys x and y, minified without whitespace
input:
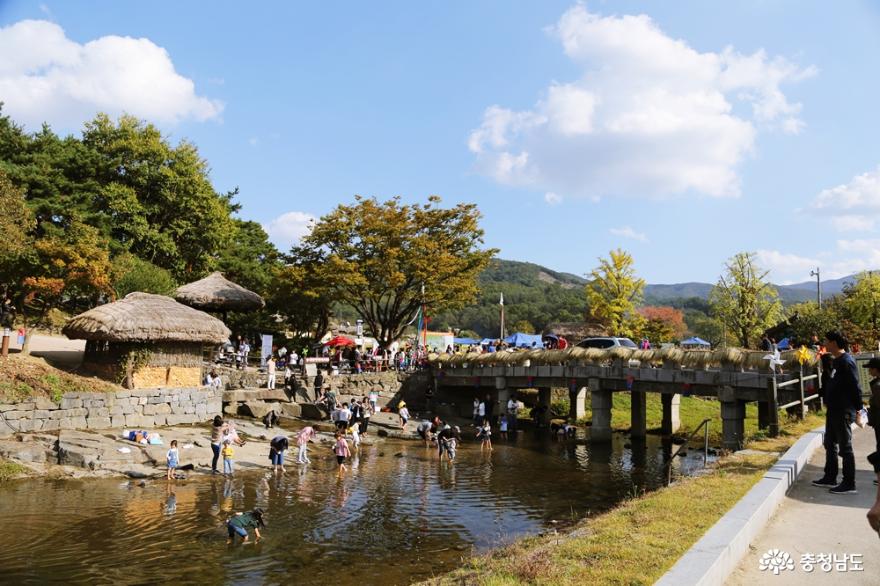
{"x":784,"y":344}
{"x":520,"y":340}
{"x":339,"y":341}
{"x":465,"y":341}
{"x":695,"y":341}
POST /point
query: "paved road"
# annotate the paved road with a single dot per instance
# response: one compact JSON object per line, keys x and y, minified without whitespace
{"x":812,"y":521}
{"x":57,"y":350}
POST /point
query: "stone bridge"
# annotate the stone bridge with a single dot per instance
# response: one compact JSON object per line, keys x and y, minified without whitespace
{"x":732,"y":386}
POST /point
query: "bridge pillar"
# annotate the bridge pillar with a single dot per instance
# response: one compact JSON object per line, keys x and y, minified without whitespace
{"x":602,"y":402}
{"x":638,"y":414}
{"x":733,"y":417}
{"x":577,"y":406}
{"x":763,"y":415}
{"x":544,"y":395}
{"x":671,"y":421}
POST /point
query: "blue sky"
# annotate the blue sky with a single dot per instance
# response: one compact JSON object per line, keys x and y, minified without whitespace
{"x":683,"y":132}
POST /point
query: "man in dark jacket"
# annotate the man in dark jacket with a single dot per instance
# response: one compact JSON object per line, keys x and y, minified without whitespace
{"x":843,"y":398}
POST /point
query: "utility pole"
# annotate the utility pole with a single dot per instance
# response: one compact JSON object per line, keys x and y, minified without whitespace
{"x":818,"y":286}
{"x":501,"y":303}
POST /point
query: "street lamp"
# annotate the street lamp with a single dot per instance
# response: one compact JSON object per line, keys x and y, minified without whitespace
{"x":818,"y":286}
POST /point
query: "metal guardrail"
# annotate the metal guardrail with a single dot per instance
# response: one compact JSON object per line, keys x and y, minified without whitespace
{"x":705,"y":425}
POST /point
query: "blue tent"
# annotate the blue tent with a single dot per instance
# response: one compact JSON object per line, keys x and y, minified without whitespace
{"x":784,"y":344}
{"x":465,"y":341}
{"x":520,"y":340}
{"x":695,"y":341}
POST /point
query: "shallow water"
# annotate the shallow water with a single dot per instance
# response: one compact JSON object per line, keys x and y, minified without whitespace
{"x":396,"y":516}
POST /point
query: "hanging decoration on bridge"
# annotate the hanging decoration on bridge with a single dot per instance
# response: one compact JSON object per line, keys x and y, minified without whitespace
{"x":530,"y":380}
{"x":687,"y":389}
{"x":774,"y":360}
{"x":629,"y":382}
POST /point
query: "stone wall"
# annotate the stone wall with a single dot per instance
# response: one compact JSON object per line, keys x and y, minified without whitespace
{"x":140,"y":408}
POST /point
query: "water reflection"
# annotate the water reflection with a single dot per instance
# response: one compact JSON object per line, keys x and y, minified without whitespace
{"x":397,"y":515}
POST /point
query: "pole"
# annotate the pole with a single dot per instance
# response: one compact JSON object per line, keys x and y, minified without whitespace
{"x":4,"y":352}
{"x":801,"y":384}
{"x":502,"y":316}
{"x":818,"y":276}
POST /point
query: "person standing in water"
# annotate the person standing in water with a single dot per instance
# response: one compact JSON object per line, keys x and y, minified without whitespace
{"x":172,"y":458}
{"x":403,"y":413}
{"x":218,"y":430}
{"x":302,"y":440}
{"x":485,"y":435}
{"x":277,"y":447}
{"x":239,"y":523}
{"x":341,"y":450}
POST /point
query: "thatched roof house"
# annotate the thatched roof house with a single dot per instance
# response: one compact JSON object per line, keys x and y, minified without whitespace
{"x":146,"y":340}
{"x":216,"y":293}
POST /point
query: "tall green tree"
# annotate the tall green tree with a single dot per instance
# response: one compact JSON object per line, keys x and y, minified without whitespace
{"x":613,"y":293}
{"x":387,"y":258}
{"x":744,"y":301}
{"x":861,"y":304}
{"x":16,"y":227}
{"x":129,"y":273}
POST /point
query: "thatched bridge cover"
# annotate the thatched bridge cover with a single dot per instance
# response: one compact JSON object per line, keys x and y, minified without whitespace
{"x":217,"y":293}
{"x":144,"y":317}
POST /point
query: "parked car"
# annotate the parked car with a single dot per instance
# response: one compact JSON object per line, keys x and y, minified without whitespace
{"x":607,"y":342}
{"x":611,"y":342}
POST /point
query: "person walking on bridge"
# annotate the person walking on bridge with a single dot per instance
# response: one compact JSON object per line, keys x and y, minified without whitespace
{"x":843,"y":398}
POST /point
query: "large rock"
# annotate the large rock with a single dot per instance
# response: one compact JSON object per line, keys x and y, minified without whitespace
{"x":312,"y":411}
{"x":255,"y":409}
{"x":291,"y":410}
{"x":98,"y":422}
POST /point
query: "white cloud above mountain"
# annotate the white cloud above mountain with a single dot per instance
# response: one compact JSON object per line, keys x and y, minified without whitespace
{"x":289,"y":228}
{"x":846,"y":258}
{"x":852,"y":206}
{"x":47,"y":77}
{"x":649,"y":116}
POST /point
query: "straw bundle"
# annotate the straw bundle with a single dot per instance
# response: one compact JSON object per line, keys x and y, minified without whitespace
{"x":144,"y":317}
{"x":216,"y":293}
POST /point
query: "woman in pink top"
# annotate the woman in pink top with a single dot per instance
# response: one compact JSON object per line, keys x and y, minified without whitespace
{"x":342,"y":451}
{"x":302,"y":440}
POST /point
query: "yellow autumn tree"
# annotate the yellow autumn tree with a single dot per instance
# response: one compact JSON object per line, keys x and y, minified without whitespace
{"x":613,"y":293}
{"x":386,"y":258}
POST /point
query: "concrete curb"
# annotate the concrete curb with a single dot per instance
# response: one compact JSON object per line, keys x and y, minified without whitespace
{"x":717,"y":554}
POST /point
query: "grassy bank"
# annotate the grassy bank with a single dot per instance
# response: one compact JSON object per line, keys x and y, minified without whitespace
{"x":638,"y":541}
{"x":26,"y":377}
{"x":692,"y":411}
{"x":10,"y":470}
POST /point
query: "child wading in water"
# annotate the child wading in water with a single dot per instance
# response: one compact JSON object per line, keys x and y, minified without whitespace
{"x":172,"y":458}
{"x":241,"y":522}
{"x":341,"y":450}
{"x":227,"y":452}
{"x":403,"y":412}
{"x":502,"y":429}
{"x":485,"y":434}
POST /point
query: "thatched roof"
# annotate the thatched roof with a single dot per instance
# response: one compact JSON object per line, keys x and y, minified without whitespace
{"x":216,"y":293}
{"x":144,"y":317}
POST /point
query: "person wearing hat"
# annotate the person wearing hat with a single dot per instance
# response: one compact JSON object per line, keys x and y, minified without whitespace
{"x":240,"y":522}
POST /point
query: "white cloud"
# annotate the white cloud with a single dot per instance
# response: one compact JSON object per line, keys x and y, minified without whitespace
{"x":288,"y":229}
{"x":852,"y":223}
{"x":852,"y":205}
{"x":650,"y":116}
{"x":46,"y":77}
{"x":552,"y":198}
{"x":849,"y":257}
{"x":627,"y":232}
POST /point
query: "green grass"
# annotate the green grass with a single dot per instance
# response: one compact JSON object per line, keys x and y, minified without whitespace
{"x":9,"y":470}
{"x":692,"y":412}
{"x":637,"y":542}
{"x":15,"y":390}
